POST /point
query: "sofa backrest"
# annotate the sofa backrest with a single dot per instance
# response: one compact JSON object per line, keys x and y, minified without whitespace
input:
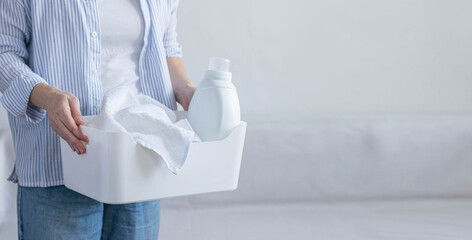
{"x":352,"y":159}
{"x":7,"y":189}
{"x":343,"y":159}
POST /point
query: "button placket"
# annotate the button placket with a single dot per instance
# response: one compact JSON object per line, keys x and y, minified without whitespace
{"x":94,"y":75}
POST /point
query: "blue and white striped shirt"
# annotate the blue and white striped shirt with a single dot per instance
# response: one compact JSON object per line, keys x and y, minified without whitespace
{"x":57,"y":42}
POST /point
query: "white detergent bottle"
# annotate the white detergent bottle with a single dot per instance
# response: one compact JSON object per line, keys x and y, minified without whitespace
{"x":214,"y":109}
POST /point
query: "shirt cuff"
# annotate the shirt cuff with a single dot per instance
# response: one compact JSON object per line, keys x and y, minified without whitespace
{"x":174,"y":51}
{"x":15,"y":99}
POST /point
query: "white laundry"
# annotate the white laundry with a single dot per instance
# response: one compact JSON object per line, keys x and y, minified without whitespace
{"x":150,"y":124}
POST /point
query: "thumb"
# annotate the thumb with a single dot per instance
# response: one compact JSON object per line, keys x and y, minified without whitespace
{"x":75,"y":111}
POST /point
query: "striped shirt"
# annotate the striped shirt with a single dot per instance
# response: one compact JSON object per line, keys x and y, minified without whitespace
{"x":58,"y":43}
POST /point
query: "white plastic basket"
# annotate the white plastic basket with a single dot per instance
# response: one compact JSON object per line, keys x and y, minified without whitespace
{"x":116,"y":170}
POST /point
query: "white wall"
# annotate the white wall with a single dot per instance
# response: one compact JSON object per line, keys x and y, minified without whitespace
{"x":308,"y":58}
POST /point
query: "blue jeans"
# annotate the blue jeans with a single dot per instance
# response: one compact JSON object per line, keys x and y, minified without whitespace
{"x":59,"y":213}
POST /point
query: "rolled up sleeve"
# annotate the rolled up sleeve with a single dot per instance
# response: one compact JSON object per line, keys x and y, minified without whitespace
{"x":172,"y":47}
{"x":17,"y":80}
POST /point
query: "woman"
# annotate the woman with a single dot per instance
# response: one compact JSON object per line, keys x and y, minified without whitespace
{"x":57,"y":58}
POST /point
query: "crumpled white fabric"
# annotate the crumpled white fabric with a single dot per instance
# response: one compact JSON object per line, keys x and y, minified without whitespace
{"x":149,"y":122}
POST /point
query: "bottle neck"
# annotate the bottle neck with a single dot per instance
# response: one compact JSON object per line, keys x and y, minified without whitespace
{"x":218,"y":75}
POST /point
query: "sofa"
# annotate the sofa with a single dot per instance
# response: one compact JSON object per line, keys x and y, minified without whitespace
{"x":343,"y":177}
{"x":356,"y":178}
{"x":7,"y":189}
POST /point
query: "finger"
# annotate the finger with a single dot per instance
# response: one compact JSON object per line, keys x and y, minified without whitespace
{"x":56,"y":130}
{"x":72,"y":127}
{"x":185,"y":106}
{"x":70,"y":138}
{"x":74,"y":105}
{"x":75,"y":110}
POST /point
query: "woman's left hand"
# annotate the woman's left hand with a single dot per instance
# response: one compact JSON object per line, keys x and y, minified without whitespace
{"x":183,"y":87}
{"x":184,"y":95}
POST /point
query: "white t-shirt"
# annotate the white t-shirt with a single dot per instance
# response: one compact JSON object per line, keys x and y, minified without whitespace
{"x":122,"y":39}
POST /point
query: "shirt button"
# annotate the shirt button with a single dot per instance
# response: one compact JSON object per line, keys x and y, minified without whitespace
{"x":94,"y":34}
{"x":97,"y":106}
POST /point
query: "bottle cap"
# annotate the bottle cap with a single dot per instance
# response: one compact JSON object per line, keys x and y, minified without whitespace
{"x":219,"y":64}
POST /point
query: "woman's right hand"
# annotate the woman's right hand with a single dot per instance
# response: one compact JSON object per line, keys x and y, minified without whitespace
{"x":63,"y":112}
